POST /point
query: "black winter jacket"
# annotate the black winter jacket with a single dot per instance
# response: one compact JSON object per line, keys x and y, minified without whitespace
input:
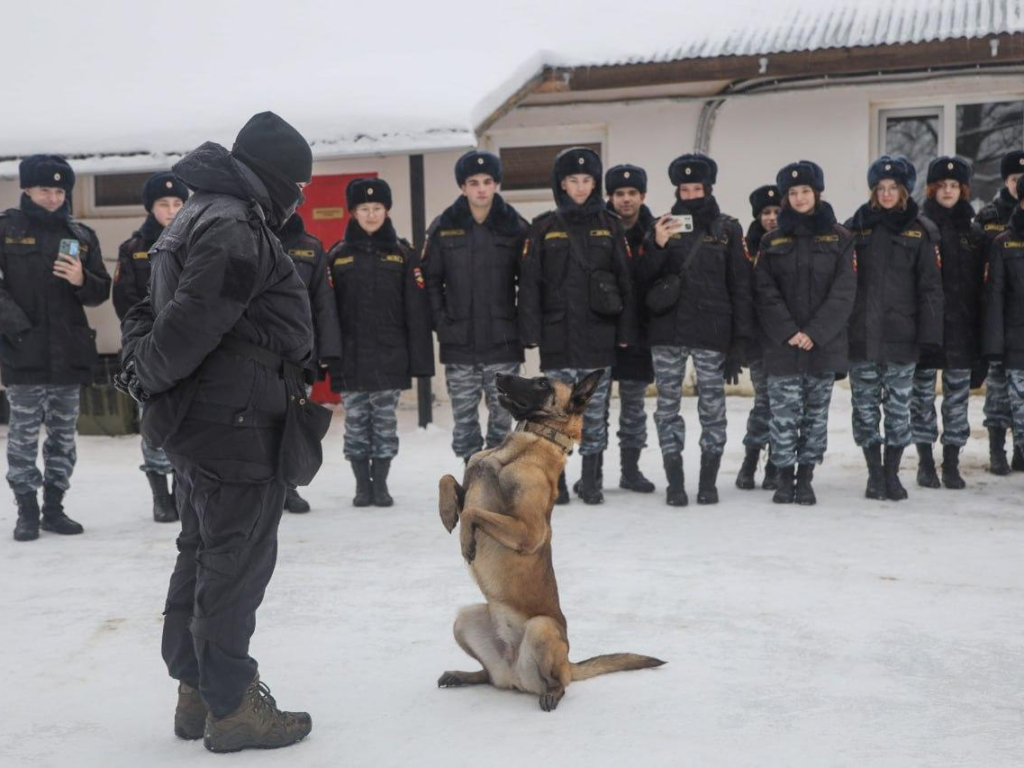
{"x":471,"y":271}
{"x":1004,"y":296}
{"x":963,"y":262}
{"x":310,"y":260}
{"x":383,"y":309}
{"x":44,"y":335}
{"x":991,"y":220}
{"x":805,"y":281}
{"x":131,"y":276}
{"x":634,"y":363}
{"x":715,"y":308}
{"x":899,"y":286}
{"x":569,"y":254}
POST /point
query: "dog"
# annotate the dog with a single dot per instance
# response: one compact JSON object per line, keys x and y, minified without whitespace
{"x":519,"y":635}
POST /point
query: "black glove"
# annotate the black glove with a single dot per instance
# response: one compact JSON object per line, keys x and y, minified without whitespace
{"x":127,"y":380}
{"x":978,"y":375}
{"x":731,"y":370}
{"x":337,"y":373}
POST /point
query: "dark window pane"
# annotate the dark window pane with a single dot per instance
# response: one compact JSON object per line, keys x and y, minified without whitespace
{"x":530,"y":167}
{"x":916,"y":137}
{"x":119,"y":189}
{"x":984,"y":133}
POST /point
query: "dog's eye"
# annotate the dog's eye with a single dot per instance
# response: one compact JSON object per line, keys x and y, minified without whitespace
{"x":544,"y":384}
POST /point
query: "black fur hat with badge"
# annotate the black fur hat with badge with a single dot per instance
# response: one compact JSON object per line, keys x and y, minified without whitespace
{"x":1012,"y":162}
{"x":361,"y":191}
{"x":474,"y":162}
{"x":801,"y":173}
{"x":164,"y":184}
{"x":762,"y":197}
{"x":956,"y":168}
{"x":895,"y":167}
{"x":693,"y":168}
{"x":577,"y":160}
{"x":46,"y":171}
{"x":626,"y":176}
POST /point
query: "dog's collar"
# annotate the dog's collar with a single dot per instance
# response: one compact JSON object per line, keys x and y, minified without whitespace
{"x":560,"y":439}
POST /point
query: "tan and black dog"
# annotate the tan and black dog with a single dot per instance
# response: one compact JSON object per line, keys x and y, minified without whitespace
{"x":519,"y":635}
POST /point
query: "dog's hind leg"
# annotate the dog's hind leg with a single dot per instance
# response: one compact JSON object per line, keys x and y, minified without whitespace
{"x":450,"y":498}
{"x":476,"y":635}
{"x":543,"y":665}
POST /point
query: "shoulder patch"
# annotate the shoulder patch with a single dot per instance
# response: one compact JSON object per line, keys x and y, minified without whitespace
{"x":417,"y":273}
{"x":938,"y":256}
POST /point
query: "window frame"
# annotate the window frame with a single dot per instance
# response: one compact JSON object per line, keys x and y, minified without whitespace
{"x":89,"y":208}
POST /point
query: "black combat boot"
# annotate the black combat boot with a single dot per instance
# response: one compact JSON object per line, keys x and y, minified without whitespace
{"x":1017,"y":463}
{"x":675,"y":494}
{"x":804,"y":493}
{"x":707,"y":493}
{"x":589,"y":488}
{"x":785,"y":492}
{"x":632,"y":478}
{"x":876,"y":476}
{"x":951,"y":467}
{"x":600,"y":477}
{"x":295,"y":503}
{"x":563,"y":490}
{"x":54,"y":519}
{"x":997,"y":464}
{"x":771,"y":476}
{"x":893,"y":487}
{"x":745,"y":479}
{"x":926,"y":475}
{"x":164,"y":509}
{"x":27,"y":527}
{"x":364,"y":488}
{"x":379,"y":475}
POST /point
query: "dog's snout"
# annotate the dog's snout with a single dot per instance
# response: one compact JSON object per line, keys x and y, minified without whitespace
{"x":502,"y":380}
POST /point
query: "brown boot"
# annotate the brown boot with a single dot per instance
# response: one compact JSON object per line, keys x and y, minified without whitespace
{"x":190,"y":714}
{"x":256,"y":724}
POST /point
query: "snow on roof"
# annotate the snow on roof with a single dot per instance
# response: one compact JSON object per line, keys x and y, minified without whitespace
{"x":123,"y":85}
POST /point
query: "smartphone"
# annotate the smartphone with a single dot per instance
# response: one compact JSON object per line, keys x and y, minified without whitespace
{"x":68,"y":248}
{"x":685,"y":222}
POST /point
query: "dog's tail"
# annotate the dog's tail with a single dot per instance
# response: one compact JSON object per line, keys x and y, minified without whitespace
{"x":612,"y":662}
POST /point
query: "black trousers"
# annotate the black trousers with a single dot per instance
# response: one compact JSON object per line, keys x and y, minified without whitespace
{"x":230,"y":505}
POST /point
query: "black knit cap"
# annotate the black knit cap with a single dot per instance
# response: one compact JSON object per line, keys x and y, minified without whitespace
{"x":626,"y":175}
{"x":273,"y":141}
{"x":578,"y":160}
{"x":1013,"y":162}
{"x":956,"y":168}
{"x":164,"y":184}
{"x":46,"y":171}
{"x":361,"y":191}
{"x":693,"y":168}
{"x":895,"y":167}
{"x":762,"y":197}
{"x":474,"y":162}
{"x":802,"y":172}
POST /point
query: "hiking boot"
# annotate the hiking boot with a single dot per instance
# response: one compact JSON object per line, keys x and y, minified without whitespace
{"x":379,"y":476}
{"x":632,"y":478}
{"x":563,"y":490}
{"x":190,"y":714}
{"x":745,"y":479}
{"x":164,"y":509}
{"x":876,"y":476}
{"x":54,"y":519}
{"x":295,"y":503}
{"x":1017,"y":464}
{"x":997,"y":464}
{"x":256,"y":724}
{"x":27,"y":527}
{"x":364,"y":488}
{"x":926,"y":475}
{"x":675,"y":494}
{"x":804,"y":492}
{"x":771,"y":476}
{"x":785,"y":493}
{"x":893,"y":487}
{"x":707,"y":493}
{"x":589,"y":488}
{"x":951,"y":467}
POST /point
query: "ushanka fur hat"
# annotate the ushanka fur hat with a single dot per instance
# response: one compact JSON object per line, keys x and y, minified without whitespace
{"x":626,"y":175}
{"x":361,"y":191}
{"x":164,"y":184}
{"x":46,"y":171}
{"x":895,"y":167}
{"x":1012,"y":162}
{"x":802,"y":172}
{"x":956,"y":168}
{"x":762,"y":197}
{"x":576,"y":160}
{"x":693,"y":168}
{"x":472,"y":163}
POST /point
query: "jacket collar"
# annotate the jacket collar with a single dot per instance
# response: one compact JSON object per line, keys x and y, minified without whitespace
{"x":385,"y":237}
{"x":704,"y":210}
{"x":502,"y":219}
{"x":818,"y":222}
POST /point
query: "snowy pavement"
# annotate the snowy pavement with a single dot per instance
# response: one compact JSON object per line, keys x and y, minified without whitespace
{"x":853,"y":633}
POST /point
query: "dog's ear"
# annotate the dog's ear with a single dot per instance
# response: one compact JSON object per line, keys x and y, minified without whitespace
{"x":583,"y":390}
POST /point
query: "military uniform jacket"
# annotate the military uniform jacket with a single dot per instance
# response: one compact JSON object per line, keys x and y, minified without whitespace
{"x":715,"y":307}
{"x":131,"y":275}
{"x":44,"y":335}
{"x":310,"y":260}
{"x":634,"y":363}
{"x":471,"y":272}
{"x":383,"y":309}
{"x":1004,"y":296}
{"x":899,"y":286}
{"x":805,"y":281}
{"x":556,"y":306}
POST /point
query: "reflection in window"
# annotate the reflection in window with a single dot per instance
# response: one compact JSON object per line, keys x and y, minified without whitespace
{"x":917,"y":135}
{"x":984,"y":133}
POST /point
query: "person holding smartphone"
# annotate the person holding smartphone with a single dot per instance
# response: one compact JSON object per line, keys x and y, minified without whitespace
{"x":51,"y":268}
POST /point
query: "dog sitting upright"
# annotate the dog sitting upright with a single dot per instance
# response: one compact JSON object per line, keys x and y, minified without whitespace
{"x":519,"y":635}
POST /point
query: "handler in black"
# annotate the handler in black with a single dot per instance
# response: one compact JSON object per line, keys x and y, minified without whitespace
{"x":310,"y":260}
{"x":226,"y":314}
{"x":576,"y":297}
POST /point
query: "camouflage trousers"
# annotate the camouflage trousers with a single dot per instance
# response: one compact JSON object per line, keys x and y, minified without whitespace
{"x":465,"y":385}
{"x":799,"y":417}
{"x":154,"y":459}
{"x":632,"y":415}
{"x":371,"y":424}
{"x":760,"y":418}
{"x":881,"y":385}
{"x":595,"y":420}
{"x":32,"y":406}
{"x":997,"y":398}
{"x":1015,"y":379}
{"x":956,"y":394}
{"x":669,"y":369}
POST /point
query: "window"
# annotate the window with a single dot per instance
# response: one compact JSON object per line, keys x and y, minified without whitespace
{"x":118,"y":189}
{"x":984,"y":133}
{"x":530,"y":167}
{"x":915,"y":133}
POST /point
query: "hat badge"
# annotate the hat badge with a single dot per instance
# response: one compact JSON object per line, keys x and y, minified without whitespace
{"x":771,"y":193}
{"x":56,"y":177}
{"x":369,"y":191}
{"x":949,"y":166}
{"x":582,"y":161}
{"x":479,"y":161}
{"x":795,"y":174}
{"x":170,"y":184}
{"x":625,"y":175}
{"x":1022,"y":161}
{"x":888,"y":166}
{"x":688,"y":171}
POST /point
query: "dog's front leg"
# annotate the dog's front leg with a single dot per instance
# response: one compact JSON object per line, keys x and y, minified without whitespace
{"x":522,"y":537}
{"x":467,"y":538}
{"x":450,"y":498}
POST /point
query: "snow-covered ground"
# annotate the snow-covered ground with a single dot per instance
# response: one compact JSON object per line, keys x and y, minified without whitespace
{"x":853,"y":633}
